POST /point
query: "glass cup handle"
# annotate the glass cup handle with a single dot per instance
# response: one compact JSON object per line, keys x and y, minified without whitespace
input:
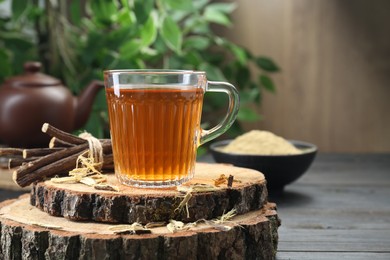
{"x":234,"y":104}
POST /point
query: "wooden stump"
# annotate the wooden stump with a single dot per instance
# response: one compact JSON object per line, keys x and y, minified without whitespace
{"x":79,"y":202}
{"x":28,"y":233}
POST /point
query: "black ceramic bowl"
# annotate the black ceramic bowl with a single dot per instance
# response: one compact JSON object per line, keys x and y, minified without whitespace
{"x":279,"y":170}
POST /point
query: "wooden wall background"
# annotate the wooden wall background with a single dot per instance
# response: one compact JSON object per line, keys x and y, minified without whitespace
{"x":334,"y":88}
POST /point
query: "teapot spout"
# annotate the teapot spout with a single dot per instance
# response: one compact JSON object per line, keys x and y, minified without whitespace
{"x":83,"y":103}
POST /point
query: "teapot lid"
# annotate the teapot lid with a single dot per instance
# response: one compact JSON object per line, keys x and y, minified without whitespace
{"x":32,"y":77}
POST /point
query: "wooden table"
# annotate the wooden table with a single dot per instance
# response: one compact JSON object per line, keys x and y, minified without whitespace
{"x":340,"y":209}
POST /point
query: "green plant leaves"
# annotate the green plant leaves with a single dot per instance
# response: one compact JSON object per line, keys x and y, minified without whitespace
{"x":18,"y":7}
{"x":171,"y":34}
{"x":226,"y":8}
{"x":267,"y":83}
{"x":149,"y":30}
{"x":213,"y":72}
{"x":218,"y":13}
{"x":196,"y":42}
{"x":104,"y":10}
{"x":183,"y":5}
{"x":138,"y":34}
{"x":75,"y":12}
{"x":215,"y":16}
{"x":130,"y":48}
{"x":5,"y":65}
{"x":239,"y":53}
{"x":266,"y":64}
{"x":247,"y":114}
{"x":142,"y":9}
{"x":251,"y":96}
{"x":17,"y":41}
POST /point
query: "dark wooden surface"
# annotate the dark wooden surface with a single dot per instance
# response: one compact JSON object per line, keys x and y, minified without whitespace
{"x":340,"y":209}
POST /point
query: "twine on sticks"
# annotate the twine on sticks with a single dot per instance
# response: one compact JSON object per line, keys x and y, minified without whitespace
{"x":89,"y":162}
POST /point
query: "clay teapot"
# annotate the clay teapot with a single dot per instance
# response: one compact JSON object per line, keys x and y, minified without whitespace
{"x":29,"y":100}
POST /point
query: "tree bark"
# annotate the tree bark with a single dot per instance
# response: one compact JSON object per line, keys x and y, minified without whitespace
{"x":28,"y":233}
{"x":79,"y":202}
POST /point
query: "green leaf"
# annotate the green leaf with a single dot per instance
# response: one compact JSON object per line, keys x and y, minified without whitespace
{"x":116,"y":38}
{"x":142,"y":9}
{"x":160,"y":45}
{"x":183,"y":5}
{"x":149,"y":30}
{"x":93,"y":45}
{"x":130,"y":49}
{"x":226,"y":8}
{"x":235,"y":130}
{"x":18,"y":7}
{"x":94,"y":124}
{"x":213,"y":72}
{"x":239,"y":53}
{"x":17,"y":42}
{"x":199,"y":4}
{"x":109,"y":59}
{"x":247,"y":114}
{"x":243,"y":76}
{"x":266,"y":64}
{"x":267,"y":83}
{"x":196,"y":24}
{"x":201,"y":151}
{"x":149,"y":52}
{"x":196,"y":42}
{"x":171,"y":34}
{"x":249,"y":96}
{"x":125,"y":4}
{"x":75,"y":12}
{"x":175,"y":62}
{"x":126,"y":17}
{"x":255,"y":92}
{"x":104,"y":10}
{"x":215,"y":16}
{"x":178,"y":15}
{"x":214,"y":101}
{"x":5,"y":64}
{"x":193,"y":58}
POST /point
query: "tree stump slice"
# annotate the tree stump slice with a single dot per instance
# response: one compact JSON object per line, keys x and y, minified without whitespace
{"x":80,"y":202}
{"x":29,"y":233}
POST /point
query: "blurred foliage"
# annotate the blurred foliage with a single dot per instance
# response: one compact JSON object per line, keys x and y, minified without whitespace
{"x":76,"y":42}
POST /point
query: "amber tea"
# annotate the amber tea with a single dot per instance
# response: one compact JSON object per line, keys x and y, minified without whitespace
{"x":155,"y":120}
{"x":161,"y":143}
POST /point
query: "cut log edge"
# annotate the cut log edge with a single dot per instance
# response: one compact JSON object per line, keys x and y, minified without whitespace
{"x":256,"y":239}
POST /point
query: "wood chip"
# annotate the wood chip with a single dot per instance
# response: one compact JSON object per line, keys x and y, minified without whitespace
{"x":218,"y":226}
{"x":47,"y":226}
{"x":197,"y":187}
{"x":135,"y":228}
{"x":230,"y":181}
{"x":68,"y":179}
{"x":155,"y":224}
{"x":222,"y":179}
{"x":107,"y":187}
{"x":226,"y":216}
{"x":88,"y":181}
{"x":175,"y":226}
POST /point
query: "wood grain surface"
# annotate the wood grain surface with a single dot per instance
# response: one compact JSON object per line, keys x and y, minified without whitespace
{"x":338,"y":210}
{"x":334,"y":87}
{"x":80,"y":202}
{"x":37,"y":235}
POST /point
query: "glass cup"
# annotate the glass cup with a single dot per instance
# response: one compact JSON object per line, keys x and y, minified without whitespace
{"x":155,"y":120}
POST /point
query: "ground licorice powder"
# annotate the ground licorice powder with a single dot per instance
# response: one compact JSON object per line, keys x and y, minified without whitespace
{"x":258,"y":142}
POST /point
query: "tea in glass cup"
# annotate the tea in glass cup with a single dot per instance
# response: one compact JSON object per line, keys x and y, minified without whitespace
{"x":155,"y":118}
